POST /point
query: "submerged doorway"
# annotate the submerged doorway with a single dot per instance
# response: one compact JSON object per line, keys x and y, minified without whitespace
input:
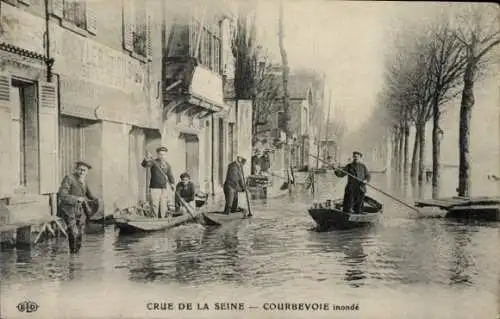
{"x":192,"y":157}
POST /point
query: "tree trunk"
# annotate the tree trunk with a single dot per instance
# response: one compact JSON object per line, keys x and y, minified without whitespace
{"x":436,"y":150}
{"x":464,"y":134}
{"x":406,"y":152}
{"x":421,"y":155}
{"x":395,"y":150}
{"x":400,"y":153}
{"x":414,"y":159}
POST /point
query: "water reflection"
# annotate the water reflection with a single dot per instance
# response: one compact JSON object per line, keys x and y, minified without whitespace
{"x":462,"y":263}
{"x":350,"y":245}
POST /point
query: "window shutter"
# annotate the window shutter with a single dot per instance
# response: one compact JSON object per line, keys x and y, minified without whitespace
{"x":6,"y":186}
{"x":128,"y":25}
{"x":49,"y":137}
{"x":149,"y":21}
{"x":56,"y":7}
{"x":90,"y":14}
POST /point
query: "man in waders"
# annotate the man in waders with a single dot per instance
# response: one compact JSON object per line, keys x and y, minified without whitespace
{"x":161,"y":182}
{"x":233,"y":185}
{"x":355,"y":189}
{"x":76,"y":204}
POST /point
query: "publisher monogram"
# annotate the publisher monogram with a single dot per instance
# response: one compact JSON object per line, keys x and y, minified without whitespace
{"x":27,"y":306}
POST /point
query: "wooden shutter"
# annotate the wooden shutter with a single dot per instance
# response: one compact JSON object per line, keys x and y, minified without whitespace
{"x":49,"y":136}
{"x":128,"y":25}
{"x":57,"y":7}
{"x":6,"y":186}
{"x":149,"y":33}
{"x":90,"y":14}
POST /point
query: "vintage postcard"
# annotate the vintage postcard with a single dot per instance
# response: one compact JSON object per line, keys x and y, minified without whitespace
{"x":249,"y":159}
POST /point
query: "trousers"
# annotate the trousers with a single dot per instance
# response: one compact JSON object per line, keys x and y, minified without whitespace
{"x":160,"y":198}
{"x":231,"y":197}
{"x":75,"y":229}
{"x":353,"y":200}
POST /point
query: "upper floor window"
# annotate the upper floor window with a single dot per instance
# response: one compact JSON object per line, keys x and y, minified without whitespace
{"x":206,"y":47}
{"x":137,"y":27}
{"x":79,"y":13}
{"x":74,"y":12}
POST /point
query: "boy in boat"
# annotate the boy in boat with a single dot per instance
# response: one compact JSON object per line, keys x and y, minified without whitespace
{"x":76,"y":204}
{"x":161,"y":182}
{"x":233,"y":185}
{"x":184,"y":189}
{"x":355,"y":189}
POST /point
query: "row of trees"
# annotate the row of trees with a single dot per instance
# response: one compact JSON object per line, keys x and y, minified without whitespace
{"x":432,"y":65}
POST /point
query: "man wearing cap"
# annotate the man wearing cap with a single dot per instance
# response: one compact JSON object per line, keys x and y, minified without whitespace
{"x":76,"y":204}
{"x":355,"y":189}
{"x":161,"y":181}
{"x":234,"y":183}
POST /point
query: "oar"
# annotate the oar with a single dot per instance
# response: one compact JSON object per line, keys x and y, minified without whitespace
{"x":375,"y":188}
{"x":183,"y":202}
{"x":246,"y":190}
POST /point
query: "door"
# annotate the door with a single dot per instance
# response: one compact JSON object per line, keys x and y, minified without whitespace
{"x":222,"y":150}
{"x":137,"y":174}
{"x":71,"y":144}
{"x":193,"y":157}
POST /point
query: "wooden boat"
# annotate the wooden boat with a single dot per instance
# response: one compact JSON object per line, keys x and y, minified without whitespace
{"x":138,"y":224}
{"x":130,"y":221}
{"x":329,"y":215}
{"x":219,"y":218}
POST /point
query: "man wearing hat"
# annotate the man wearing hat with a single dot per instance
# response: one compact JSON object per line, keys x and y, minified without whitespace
{"x":355,"y":189}
{"x":161,"y":181}
{"x":76,"y":204}
{"x":233,"y":185}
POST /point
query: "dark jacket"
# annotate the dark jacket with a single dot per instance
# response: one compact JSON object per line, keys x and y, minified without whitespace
{"x":234,"y":177}
{"x":186,"y":191}
{"x":69,"y":191}
{"x":358,"y":170}
{"x":159,"y":169}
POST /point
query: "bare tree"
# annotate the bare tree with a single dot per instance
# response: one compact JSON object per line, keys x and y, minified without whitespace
{"x":479,"y":33}
{"x":285,"y":69}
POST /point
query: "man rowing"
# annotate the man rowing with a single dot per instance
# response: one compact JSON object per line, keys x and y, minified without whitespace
{"x":355,"y":189}
{"x":76,"y":204}
{"x":161,"y":181}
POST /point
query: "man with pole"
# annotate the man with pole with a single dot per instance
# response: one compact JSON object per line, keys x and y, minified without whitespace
{"x":235,"y":183}
{"x":161,"y":181}
{"x":355,"y":189}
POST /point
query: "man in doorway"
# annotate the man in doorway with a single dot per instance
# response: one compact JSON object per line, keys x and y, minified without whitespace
{"x":161,"y":181}
{"x":355,"y":189}
{"x":233,"y":185}
{"x":76,"y":204}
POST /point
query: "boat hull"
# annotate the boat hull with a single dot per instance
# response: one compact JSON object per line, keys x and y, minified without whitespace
{"x":330,"y":218}
{"x":330,"y":215}
{"x":219,"y":218}
{"x":139,"y":224}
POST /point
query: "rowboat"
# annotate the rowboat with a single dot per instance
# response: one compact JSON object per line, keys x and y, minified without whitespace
{"x":129,"y":221}
{"x":219,"y":218}
{"x":139,"y":224}
{"x":329,"y":215}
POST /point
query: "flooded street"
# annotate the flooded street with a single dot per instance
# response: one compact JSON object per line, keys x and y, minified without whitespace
{"x":404,"y":267}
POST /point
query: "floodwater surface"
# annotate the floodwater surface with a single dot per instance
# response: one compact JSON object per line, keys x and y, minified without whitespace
{"x":404,"y":267}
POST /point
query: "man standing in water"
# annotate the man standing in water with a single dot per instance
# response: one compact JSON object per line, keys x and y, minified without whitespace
{"x":161,"y":181}
{"x":355,"y":189}
{"x":76,"y":204}
{"x":233,"y":185}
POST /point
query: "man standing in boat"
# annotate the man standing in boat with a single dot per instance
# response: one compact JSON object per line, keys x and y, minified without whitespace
{"x":161,"y":181}
{"x":233,"y":185}
{"x":76,"y":204}
{"x":355,"y":189}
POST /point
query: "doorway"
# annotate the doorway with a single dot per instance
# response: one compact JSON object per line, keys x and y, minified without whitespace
{"x":192,"y":157}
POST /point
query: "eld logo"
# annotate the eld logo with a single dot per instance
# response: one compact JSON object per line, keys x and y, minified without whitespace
{"x":27,"y":306}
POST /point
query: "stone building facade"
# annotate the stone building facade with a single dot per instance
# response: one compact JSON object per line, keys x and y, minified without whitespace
{"x":89,"y":80}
